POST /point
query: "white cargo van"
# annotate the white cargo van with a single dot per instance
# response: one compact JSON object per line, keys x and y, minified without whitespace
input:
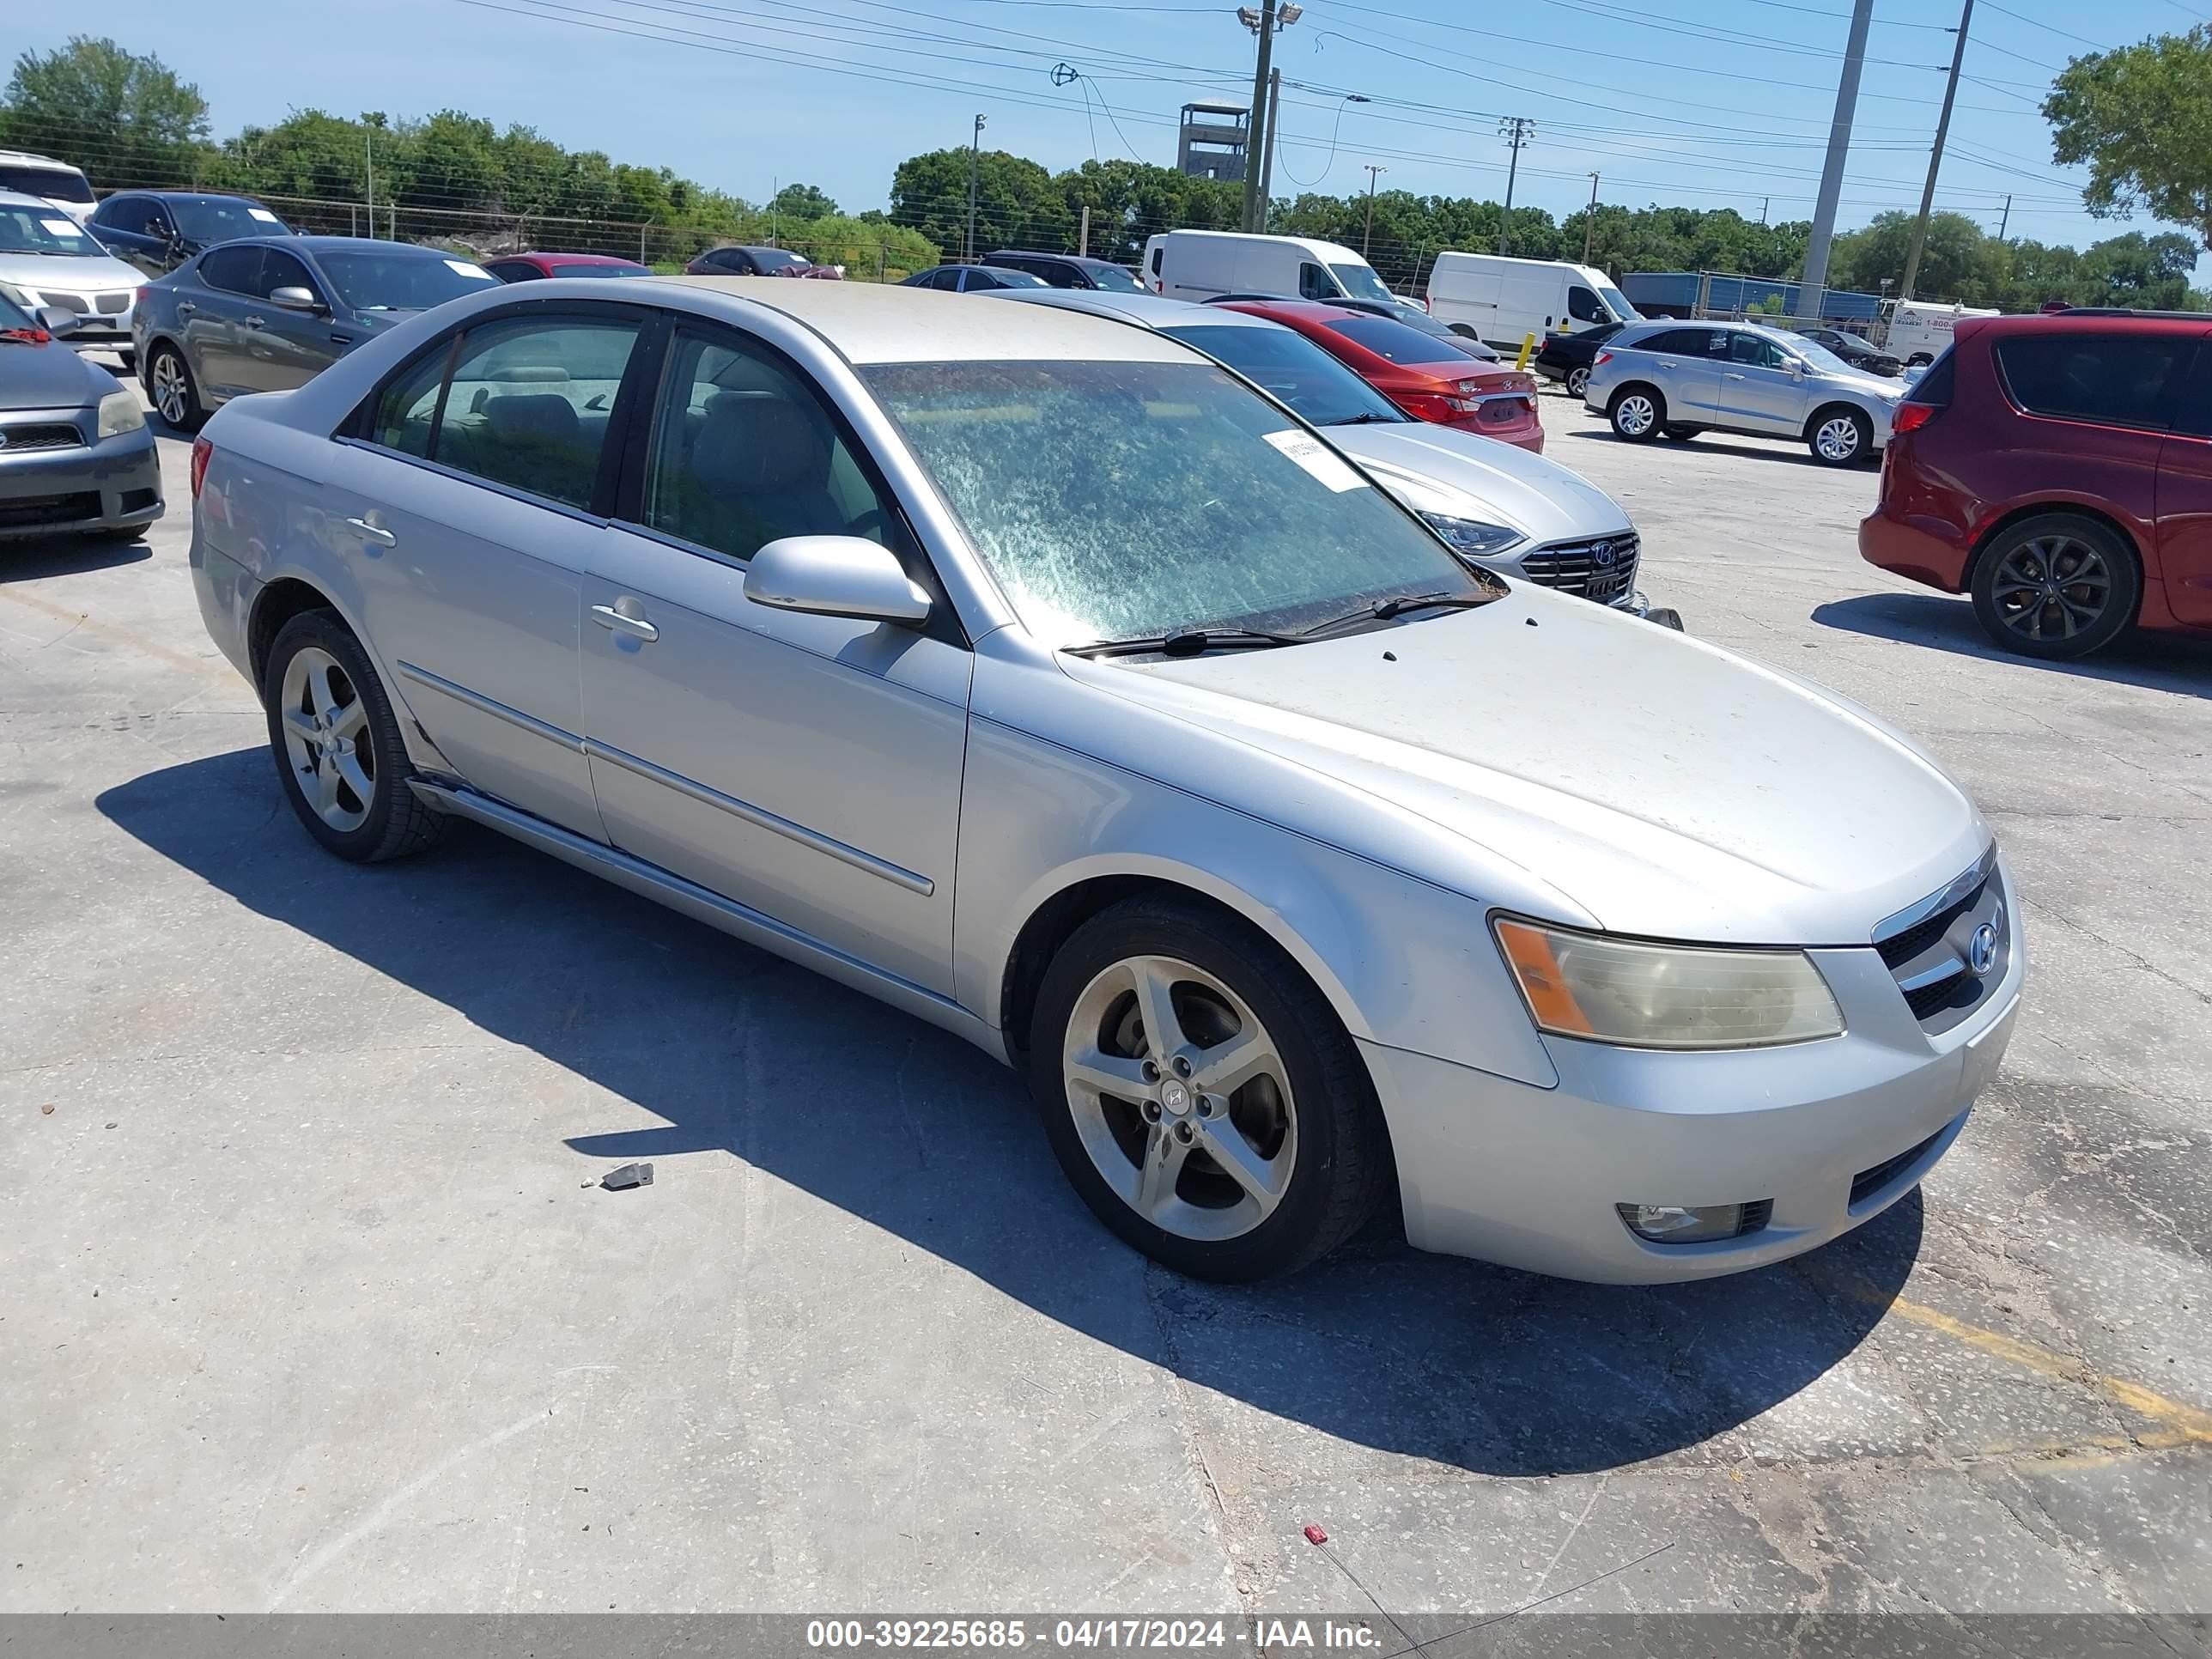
{"x":1916,"y":331}
{"x":1508,"y":299}
{"x":1198,"y":264}
{"x":56,"y":183}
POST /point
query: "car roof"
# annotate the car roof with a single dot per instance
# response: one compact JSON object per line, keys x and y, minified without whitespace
{"x":2101,"y":320}
{"x":193,"y":195}
{"x":890,"y":323}
{"x":1085,"y":259}
{"x":19,"y":157}
{"x":1310,"y":311}
{"x":568,"y":258}
{"x":339,"y":245}
{"x":1152,"y":310}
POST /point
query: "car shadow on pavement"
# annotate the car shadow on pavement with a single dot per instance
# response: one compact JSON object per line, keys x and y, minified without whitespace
{"x":1789,"y":452}
{"x":709,"y":1049}
{"x":69,"y":555}
{"x":2159,"y":662}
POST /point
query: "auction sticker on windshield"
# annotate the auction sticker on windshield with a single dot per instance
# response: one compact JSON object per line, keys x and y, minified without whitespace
{"x":463,"y":268}
{"x":1324,"y":464}
{"x":262,"y":214}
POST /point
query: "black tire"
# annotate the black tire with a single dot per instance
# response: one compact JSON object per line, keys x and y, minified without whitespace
{"x":1682,"y":434}
{"x":191,"y":414}
{"x":1577,"y":381}
{"x":1639,"y":413}
{"x":1840,"y":435}
{"x":129,"y":361}
{"x":1918,"y":359}
{"x":396,"y":823}
{"x":2010,"y":603}
{"x":1340,"y":1168}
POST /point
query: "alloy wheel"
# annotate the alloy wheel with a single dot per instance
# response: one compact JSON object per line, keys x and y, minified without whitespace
{"x":1838,"y":440}
{"x":326,"y":740}
{"x":171,"y":396}
{"x":1181,"y":1098}
{"x":2053,"y":588}
{"x":1578,"y":382}
{"x":1635,"y":415}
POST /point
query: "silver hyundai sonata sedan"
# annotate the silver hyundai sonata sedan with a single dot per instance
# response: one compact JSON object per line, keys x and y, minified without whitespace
{"x":1038,"y":676}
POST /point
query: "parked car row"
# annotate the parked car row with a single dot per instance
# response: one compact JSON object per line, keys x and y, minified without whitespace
{"x":75,"y":455}
{"x":1041,"y":674}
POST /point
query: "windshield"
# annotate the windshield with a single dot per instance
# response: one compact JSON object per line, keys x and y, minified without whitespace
{"x":211,"y":219}
{"x":1007,"y":276}
{"x":45,"y":230}
{"x":776,"y":259}
{"x":1292,"y":368}
{"x":399,"y":282}
{"x":1823,"y":360}
{"x":1113,"y":279}
{"x":1360,"y":282}
{"x":1618,"y":304}
{"x":602,"y":270}
{"x":1120,"y":500}
{"x":55,"y":184}
{"x":1395,"y":342}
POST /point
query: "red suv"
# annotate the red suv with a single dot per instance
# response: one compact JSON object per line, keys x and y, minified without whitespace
{"x":1430,"y":379}
{"x":2059,"y":469}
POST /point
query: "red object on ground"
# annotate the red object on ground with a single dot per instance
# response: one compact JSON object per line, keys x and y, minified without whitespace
{"x":1316,"y":1535}
{"x":2072,"y":417}
{"x":1417,"y":372}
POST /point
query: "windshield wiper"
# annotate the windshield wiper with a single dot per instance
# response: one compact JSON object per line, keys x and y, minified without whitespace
{"x":1185,"y":642}
{"x":1368,"y":417}
{"x":1398,"y":606}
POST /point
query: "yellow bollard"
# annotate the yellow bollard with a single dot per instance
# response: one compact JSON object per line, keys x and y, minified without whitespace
{"x":1528,"y":350}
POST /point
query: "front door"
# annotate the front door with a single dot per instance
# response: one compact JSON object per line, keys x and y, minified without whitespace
{"x":211,"y":313}
{"x":285,"y":349}
{"x":807,"y":766}
{"x":1758,"y":391}
{"x":468,"y":513}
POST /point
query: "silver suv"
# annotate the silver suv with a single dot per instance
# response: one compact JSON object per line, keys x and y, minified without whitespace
{"x":1680,"y":379}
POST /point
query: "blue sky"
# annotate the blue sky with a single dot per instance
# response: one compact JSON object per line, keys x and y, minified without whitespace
{"x":1698,"y":102}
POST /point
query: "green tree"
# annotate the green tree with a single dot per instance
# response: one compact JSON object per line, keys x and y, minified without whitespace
{"x":1017,"y":203}
{"x":2141,"y":117}
{"x":125,"y":119}
{"x":801,"y":202}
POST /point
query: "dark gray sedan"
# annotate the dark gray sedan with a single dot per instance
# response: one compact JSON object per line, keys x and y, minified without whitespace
{"x":268,"y":313}
{"x":75,"y":453}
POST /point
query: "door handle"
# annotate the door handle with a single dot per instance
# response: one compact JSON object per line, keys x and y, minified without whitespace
{"x":614,"y":618}
{"x":1668,"y":363}
{"x":1731,"y":376}
{"x":185,"y":307}
{"x":255,"y":322}
{"x":375,"y":533}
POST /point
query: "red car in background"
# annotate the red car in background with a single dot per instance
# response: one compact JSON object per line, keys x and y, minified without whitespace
{"x":2059,"y":468}
{"x":529,"y":267}
{"x":1428,"y":378}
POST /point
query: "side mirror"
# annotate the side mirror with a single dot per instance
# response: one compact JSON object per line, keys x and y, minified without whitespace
{"x":56,"y":320}
{"x":835,"y":576}
{"x":1797,"y":368}
{"x":295,"y":299}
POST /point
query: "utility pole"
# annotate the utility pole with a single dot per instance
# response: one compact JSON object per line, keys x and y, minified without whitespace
{"x":1815,"y":281}
{"x":1516,"y":130}
{"x":1083,"y":236}
{"x":1263,"y":20}
{"x":1764,"y":201}
{"x":2006,"y":219}
{"x":1936,"y":156}
{"x":1268,"y":154}
{"x":1367,"y":233}
{"x":1590,"y":220}
{"x":975,"y":152}
{"x":369,"y":149}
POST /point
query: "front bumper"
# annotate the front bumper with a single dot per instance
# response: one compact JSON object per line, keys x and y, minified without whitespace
{"x":1530,"y":1177}
{"x":112,"y":485}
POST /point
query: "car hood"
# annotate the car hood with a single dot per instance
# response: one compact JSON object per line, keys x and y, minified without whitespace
{"x":48,"y":377}
{"x":1433,"y":469}
{"x":1867,"y":384}
{"x":1668,"y":789}
{"x":70,"y":275}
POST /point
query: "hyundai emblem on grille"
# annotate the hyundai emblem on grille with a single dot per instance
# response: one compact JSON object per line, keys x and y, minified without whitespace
{"x":1982,"y":949}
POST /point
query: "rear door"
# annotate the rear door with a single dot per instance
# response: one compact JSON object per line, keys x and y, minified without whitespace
{"x":1685,"y":364}
{"x":2184,"y":496}
{"x":807,"y":766}
{"x":467,"y":506}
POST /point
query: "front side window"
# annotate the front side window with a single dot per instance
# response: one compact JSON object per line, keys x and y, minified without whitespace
{"x":1582,"y":304}
{"x":530,"y":402}
{"x":743,"y":454}
{"x":2115,"y":379}
{"x":1755,"y":351}
{"x":280,"y":270}
{"x":235,"y":270}
{"x":1360,"y":282}
{"x":1120,"y":499}
{"x":1315,"y":283}
{"x":368,"y":280}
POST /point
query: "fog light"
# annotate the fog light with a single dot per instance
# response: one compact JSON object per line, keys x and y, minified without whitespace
{"x":1674,"y":1223}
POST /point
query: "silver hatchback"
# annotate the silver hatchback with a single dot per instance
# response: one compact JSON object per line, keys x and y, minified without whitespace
{"x":1680,"y":379}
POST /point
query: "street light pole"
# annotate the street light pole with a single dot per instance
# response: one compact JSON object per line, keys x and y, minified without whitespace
{"x":1268,"y":154}
{"x":1368,"y":234}
{"x":1815,"y":280}
{"x":1516,"y":130}
{"x":1259,"y":132}
{"x":1590,"y":221}
{"x":1935,"y":157}
{"x":975,"y":152}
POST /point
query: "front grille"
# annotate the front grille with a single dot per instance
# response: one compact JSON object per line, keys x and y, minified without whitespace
{"x":1867,"y":1183}
{"x":66,"y":301}
{"x":1900,"y":948}
{"x":50,"y":509}
{"x":1930,"y":955}
{"x":53,"y":435}
{"x":113,"y":305}
{"x":1755,"y":1217}
{"x":1573,"y":567}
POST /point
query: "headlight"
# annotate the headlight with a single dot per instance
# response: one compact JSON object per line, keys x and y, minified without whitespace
{"x":120,"y":413}
{"x":25,"y":297}
{"x":1475,"y":537}
{"x":1666,"y":996}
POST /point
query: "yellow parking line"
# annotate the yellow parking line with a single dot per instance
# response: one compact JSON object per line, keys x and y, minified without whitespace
{"x":2183,"y":1425}
{"x":215,"y":667}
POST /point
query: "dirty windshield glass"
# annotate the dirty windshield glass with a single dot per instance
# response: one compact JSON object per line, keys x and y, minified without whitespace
{"x":1120,"y":499}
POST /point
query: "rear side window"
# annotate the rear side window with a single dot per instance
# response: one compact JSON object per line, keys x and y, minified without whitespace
{"x":1682,"y":342}
{"x":530,"y":403}
{"x":1394,"y":341}
{"x":1934,"y":387}
{"x":409,"y":407}
{"x":2114,"y":379}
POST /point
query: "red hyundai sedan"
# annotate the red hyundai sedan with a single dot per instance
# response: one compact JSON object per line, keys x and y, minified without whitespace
{"x":1426,"y":377}
{"x":2059,"y":468}
{"x":530,"y":267}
